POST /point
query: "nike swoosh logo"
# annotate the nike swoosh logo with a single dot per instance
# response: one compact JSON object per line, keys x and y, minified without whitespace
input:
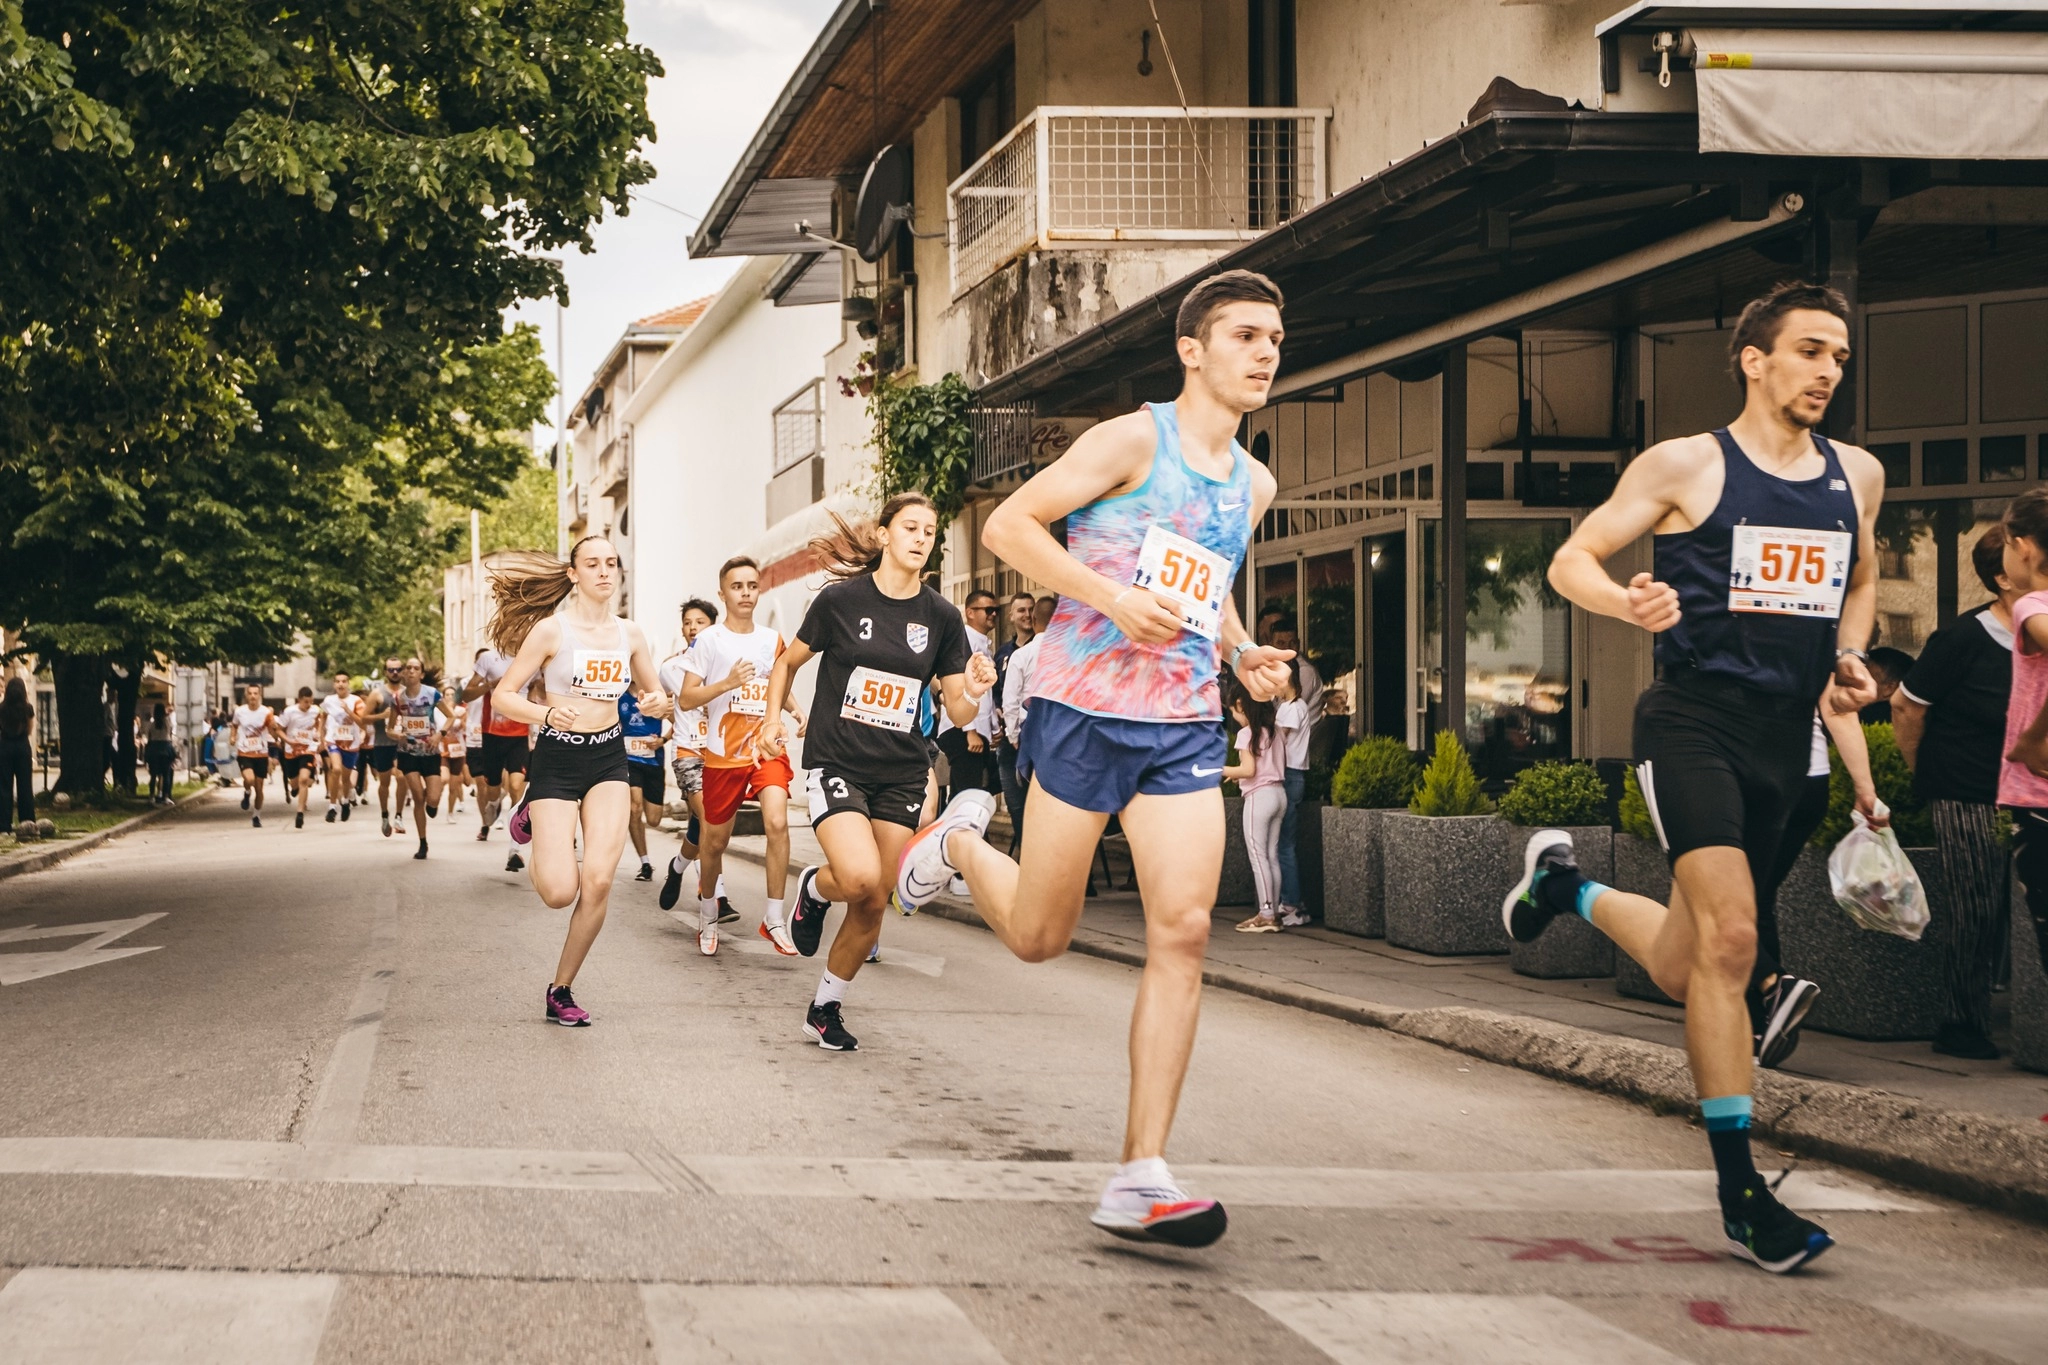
{"x":1228,"y":506}
{"x":1199,"y":771}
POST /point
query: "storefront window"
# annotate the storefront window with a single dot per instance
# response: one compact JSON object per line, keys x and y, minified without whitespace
{"x":1277,"y":590}
{"x":1330,"y":640}
{"x":1517,"y":643}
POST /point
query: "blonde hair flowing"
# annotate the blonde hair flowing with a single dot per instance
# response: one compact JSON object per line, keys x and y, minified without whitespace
{"x":852,"y":548}
{"x":528,"y":586}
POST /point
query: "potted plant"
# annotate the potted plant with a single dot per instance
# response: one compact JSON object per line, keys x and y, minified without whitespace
{"x":1442,"y":861}
{"x":1639,"y":867}
{"x":1875,"y":986}
{"x":1378,"y":775}
{"x":1570,"y":797}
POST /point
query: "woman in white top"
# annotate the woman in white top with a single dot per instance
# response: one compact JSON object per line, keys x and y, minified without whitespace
{"x":585,"y":657}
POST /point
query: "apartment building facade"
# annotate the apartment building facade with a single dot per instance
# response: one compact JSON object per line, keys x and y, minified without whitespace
{"x":1514,"y":237}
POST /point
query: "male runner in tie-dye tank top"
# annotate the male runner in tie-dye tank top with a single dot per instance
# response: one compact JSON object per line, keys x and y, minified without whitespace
{"x":1126,"y":713}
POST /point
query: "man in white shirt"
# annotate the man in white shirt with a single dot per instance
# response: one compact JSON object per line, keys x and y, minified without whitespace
{"x":1018,"y":673}
{"x":970,"y":751}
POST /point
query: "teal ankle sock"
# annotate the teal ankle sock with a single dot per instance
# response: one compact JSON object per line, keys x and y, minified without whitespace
{"x":1589,"y":891}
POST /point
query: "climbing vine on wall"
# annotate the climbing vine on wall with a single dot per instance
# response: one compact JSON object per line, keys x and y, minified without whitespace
{"x":921,"y":435}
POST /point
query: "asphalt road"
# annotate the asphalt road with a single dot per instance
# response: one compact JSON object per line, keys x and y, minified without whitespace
{"x":287,"y":1096}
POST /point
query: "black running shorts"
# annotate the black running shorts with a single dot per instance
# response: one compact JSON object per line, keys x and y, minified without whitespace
{"x":382,"y":756}
{"x":259,"y":766}
{"x":295,"y":764}
{"x":1721,"y":766}
{"x":566,"y":764}
{"x":891,"y":803}
{"x":500,"y":754}
{"x":420,"y":765}
{"x":650,"y":781}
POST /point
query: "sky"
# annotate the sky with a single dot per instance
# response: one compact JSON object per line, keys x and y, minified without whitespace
{"x":726,"y":61}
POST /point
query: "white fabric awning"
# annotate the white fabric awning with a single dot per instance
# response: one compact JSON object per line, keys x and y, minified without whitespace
{"x":1814,"y":92}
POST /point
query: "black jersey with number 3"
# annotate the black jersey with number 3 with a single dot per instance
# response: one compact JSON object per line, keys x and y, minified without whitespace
{"x":877,"y":654}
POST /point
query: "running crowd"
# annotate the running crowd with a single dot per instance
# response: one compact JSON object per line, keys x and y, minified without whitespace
{"x":1108,"y":703}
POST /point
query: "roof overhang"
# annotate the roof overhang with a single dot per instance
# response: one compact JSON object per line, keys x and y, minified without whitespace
{"x":1504,"y":209}
{"x":1650,"y":16}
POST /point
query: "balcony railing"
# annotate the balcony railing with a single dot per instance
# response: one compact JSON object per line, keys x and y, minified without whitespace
{"x":612,"y":471}
{"x":1102,"y":174}
{"x":800,"y":425}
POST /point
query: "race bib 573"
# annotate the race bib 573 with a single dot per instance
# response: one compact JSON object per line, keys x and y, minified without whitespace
{"x":1193,"y":578}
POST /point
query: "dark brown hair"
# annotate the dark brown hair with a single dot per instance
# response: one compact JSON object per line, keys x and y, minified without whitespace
{"x":1764,"y":318}
{"x":15,"y":711}
{"x":2027,"y":515}
{"x":699,"y":604}
{"x":736,"y":562}
{"x":852,"y":548}
{"x":1232,"y":286}
{"x":529,"y":586}
{"x":1987,"y":557}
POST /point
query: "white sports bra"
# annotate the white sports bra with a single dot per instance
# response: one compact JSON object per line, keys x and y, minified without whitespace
{"x":576,"y":669}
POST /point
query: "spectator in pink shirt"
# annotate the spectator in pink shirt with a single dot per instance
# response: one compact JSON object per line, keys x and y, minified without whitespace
{"x":2023,"y":781}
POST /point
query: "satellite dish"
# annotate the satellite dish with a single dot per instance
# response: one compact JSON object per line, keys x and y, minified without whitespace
{"x":884,"y":202}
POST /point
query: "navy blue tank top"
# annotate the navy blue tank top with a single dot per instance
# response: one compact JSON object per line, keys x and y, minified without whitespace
{"x":1760,"y":582}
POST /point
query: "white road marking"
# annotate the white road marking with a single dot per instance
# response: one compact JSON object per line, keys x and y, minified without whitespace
{"x":15,"y":968}
{"x":751,"y":943}
{"x":772,"y":1324}
{"x":165,"y":1317}
{"x":891,"y":1178}
{"x":1456,"y":1329}
{"x":338,"y":1103}
{"x":2012,"y":1323}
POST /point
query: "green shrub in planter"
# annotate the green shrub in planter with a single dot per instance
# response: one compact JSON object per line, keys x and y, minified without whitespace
{"x":1449,"y":786}
{"x":1556,"y":793}
{"x":1377,"y":774}
{"x":1894,"y":783}
{"x":1634,"y":811}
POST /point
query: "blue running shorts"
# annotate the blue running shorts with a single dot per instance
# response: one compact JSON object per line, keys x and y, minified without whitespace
{"x":1098,"y":763}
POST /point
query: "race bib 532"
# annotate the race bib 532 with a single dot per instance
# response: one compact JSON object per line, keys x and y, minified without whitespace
{"x":750,"y":698}
{"x":1788,"y":571}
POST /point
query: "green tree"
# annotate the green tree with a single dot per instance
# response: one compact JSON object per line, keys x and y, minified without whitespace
{"x":257,"y":260}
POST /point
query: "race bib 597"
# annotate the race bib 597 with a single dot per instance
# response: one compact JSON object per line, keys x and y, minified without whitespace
{"x":887,"y":701}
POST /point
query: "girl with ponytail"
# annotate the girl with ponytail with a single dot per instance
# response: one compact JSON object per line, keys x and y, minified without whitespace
{"x":881,"y":638}
{"x":555,"y":621}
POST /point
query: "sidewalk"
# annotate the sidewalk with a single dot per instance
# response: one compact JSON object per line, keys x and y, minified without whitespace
{"x":21,"y":859}
{"x":1978,"y":1130}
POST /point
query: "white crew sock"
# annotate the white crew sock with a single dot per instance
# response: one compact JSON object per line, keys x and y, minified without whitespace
{"x":675,"y":864}
{"x":771,"y":911}
{"x":1146,"y":1170}
{"x":721,"y":883}
{"x":831,"y":990}
{"x":707,"y":910}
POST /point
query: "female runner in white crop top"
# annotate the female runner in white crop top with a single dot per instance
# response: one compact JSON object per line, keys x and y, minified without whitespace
{"x":586,"y":657}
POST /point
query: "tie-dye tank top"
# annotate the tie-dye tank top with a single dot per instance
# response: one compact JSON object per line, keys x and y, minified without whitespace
{"x":1087,"y":663}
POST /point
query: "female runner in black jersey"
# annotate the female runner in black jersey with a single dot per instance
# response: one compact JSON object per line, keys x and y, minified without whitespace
{"x":881,"y":637}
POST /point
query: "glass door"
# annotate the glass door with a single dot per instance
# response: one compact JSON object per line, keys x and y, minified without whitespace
{"x":1518,"y":659}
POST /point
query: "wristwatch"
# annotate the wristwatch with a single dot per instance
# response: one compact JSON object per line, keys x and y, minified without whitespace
{"x":1243,"y":647}
{"x":1842,"y":654}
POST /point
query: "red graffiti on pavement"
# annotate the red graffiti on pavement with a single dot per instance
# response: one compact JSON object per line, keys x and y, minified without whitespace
{"x":1708,"y":1313}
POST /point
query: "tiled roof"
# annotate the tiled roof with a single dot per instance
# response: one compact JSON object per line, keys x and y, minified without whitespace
{"x":680,"y":316}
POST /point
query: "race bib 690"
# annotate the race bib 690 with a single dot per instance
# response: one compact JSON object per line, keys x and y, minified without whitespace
{"x":1788,"y":571}
{"x":1194,"y":579}
{"x":887,"y":701}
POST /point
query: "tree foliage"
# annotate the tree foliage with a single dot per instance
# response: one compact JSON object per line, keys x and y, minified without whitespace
{"x":923,"y":441}
{"x":1449,"y":786}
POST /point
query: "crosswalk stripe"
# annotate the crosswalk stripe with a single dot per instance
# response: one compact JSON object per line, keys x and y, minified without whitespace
{"x":2012,"y":1323}
{"x":166,"y":1317}
{"x":753,"y":945}
{"x":1456,"y":1329}
{"x":213,"y":1159}
{"x":771,"y":1324}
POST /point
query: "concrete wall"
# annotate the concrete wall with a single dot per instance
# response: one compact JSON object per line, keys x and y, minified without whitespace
{"x":703,"y":442}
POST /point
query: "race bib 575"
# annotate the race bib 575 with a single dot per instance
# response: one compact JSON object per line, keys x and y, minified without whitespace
{"x":1788,"y":571}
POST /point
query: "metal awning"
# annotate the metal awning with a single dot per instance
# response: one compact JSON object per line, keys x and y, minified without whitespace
{"x":763,"y":222}
{"x":1649,"y":16}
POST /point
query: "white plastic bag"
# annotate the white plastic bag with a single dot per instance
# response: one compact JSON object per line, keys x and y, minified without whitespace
{"x":1875,"y":883}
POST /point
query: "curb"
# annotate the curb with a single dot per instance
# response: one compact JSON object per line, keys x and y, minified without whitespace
{"x":1979,"y":1158}
{"x":49,"y":858}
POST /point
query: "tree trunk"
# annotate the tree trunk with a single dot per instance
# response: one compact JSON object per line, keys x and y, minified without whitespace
{"x":127,"y":693}
{"x":80,"y":684}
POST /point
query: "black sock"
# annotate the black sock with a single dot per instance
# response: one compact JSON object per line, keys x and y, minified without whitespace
{"x":1736,"y":1177}
{"x":1558,"y":891}
{"x":432,"y":811}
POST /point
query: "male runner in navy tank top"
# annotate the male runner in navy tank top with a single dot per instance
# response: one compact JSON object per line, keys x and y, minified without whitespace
{"x":1763,"y":594}
{"x":1126,"y":716}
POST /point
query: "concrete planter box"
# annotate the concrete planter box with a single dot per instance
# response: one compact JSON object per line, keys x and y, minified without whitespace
{"x":1570,"y":947}
{"x":1872,"y":985}
{"x":1639,"y":867}
{"x":1308,"y":852}
{"x":2029,"y":993}
{"x":1444,"y":880}
{"x":1354,"y":889}
{"x":1235,"y":887}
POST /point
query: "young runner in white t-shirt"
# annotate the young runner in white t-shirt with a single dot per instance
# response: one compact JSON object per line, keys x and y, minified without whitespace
{"x":255,"y":724}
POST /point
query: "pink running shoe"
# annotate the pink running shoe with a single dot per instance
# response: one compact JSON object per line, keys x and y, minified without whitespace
{"x":520,"y":826}
{"x":563,"y":1009}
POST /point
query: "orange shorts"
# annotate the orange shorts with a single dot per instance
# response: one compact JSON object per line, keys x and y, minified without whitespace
{"x":726,"y":788}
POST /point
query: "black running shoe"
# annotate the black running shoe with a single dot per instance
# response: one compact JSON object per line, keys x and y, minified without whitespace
{"x":726,"y":914}
{"x":515,"y":863}
{"x":256,"y":821}
{"x":807,"y":924}
{"x":645,"y":874}
{"x":671,"y":886}
{"x":1523,"y":914}
{"x":332,"y":815}
{"x":299,"y":820}
{"x":1771,"y":1235}
{"x":823,"y":1024}
{"x":483,"y":834}
{"x":346,"y":808}
{"x":1783,"y":1011}
{"x":245,"y":798}
{"x":423,"y":850}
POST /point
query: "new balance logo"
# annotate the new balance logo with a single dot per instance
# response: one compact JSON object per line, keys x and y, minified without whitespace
{"x":1838,"y":485}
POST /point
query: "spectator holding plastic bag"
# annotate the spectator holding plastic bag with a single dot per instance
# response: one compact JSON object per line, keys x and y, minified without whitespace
{"x":2023,"y":781}
{"x":1949,"y":715}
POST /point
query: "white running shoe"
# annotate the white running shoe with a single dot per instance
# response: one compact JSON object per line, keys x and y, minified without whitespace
{"x":778,"y":934}
{"x":957,"y":888}
{"x":707,"y":940}
{"x":924,"y":870}
{"x":1158,"y":1210}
